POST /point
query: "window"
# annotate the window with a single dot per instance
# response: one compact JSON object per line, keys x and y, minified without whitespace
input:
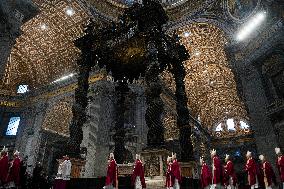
{"x":231,"y":125}
{"x":219,"y":128}
{"x":13,"y":126}
{"x":244,"y":125}
{"x":22,"y":89}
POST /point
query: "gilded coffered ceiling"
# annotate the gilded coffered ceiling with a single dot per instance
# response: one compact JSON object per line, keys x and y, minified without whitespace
{"x":45,"y":50}
{"x":210,"y":83}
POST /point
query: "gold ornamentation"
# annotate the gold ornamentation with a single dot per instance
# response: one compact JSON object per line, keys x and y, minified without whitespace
{"x":58,"y":118}
{"x":170,"y":124}
{"x":45,"y":51}
{"x":9,"y":104}
{"x":125,"y":169}
{"x":211,"y":88}
{"x":67,"y":89}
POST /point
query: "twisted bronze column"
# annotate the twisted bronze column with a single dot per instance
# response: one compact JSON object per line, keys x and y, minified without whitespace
{"x":184,"y":121}
{"x":119,"y":137}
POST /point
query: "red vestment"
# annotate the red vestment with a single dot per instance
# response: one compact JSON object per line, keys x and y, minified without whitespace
{"x":14,"y":172}
{"x":4,"y":168}
{"x":60,"y":184}
{"x":251,"y":169}
{"x":206,"y":176}
{"x":138,"y":172}
{"x":111,"y":173}
{"x":217,"y":170}
{"x":280,"y":166}
{"x":230,"y":173}
{"x":169,"y":177}
{"x":268,"y":173}
{"x":176,"y":171}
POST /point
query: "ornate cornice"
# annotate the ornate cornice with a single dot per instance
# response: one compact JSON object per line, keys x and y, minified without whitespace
{"x":65,"y":89}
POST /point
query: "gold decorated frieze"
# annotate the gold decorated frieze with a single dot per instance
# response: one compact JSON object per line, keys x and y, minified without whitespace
{"x":9,"y":104}
{"x":67,"y":89}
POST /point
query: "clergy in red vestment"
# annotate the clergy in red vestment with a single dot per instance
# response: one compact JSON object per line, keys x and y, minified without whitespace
{"x":111,"y":179}
{"x":280,"y":164}
{"x":176,"y":172}
{"x":217,"y":170}
{"x":268,"y":172}
{"x":251,"y":169}
{"x":138,"y":179}
{"x":169,"y":177}
{"x":206,"y":175}
{"x":230,"y":176}
{"x":4,"y":166}
{"x":13,"y":179}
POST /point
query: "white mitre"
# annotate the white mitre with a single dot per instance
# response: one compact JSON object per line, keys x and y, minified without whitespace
{"x":169,"y":158}
{"x":201,"y":160}
{"x":227,"y":157}
{"x":4,"y":149}
{"x":248,"y":154}
{"x":277,"y":150}
{"x":213,"y":152}
{"x":17,"y":153}
{"x":174,"y":155}
{"x":261,"y":157}
{"x":137,"y":156}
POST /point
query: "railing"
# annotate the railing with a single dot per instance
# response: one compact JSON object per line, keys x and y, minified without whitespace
{"x":232,"y":133}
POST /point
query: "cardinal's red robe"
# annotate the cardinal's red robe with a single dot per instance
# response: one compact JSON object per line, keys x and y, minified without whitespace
{"x":269,"y":175}
{"x":206,"y":176}
{"x":138,"y":172}
{"x":229,"y":172}
{"x":111,"y":173}
{"x":280,"y":166}
{"x":176,"y":172}
{"x":14,"y":172}
{"x":4,"y":168}
{"x":217,"y":170}
{"x":251,"y":169}
{"x":169,"y":177}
